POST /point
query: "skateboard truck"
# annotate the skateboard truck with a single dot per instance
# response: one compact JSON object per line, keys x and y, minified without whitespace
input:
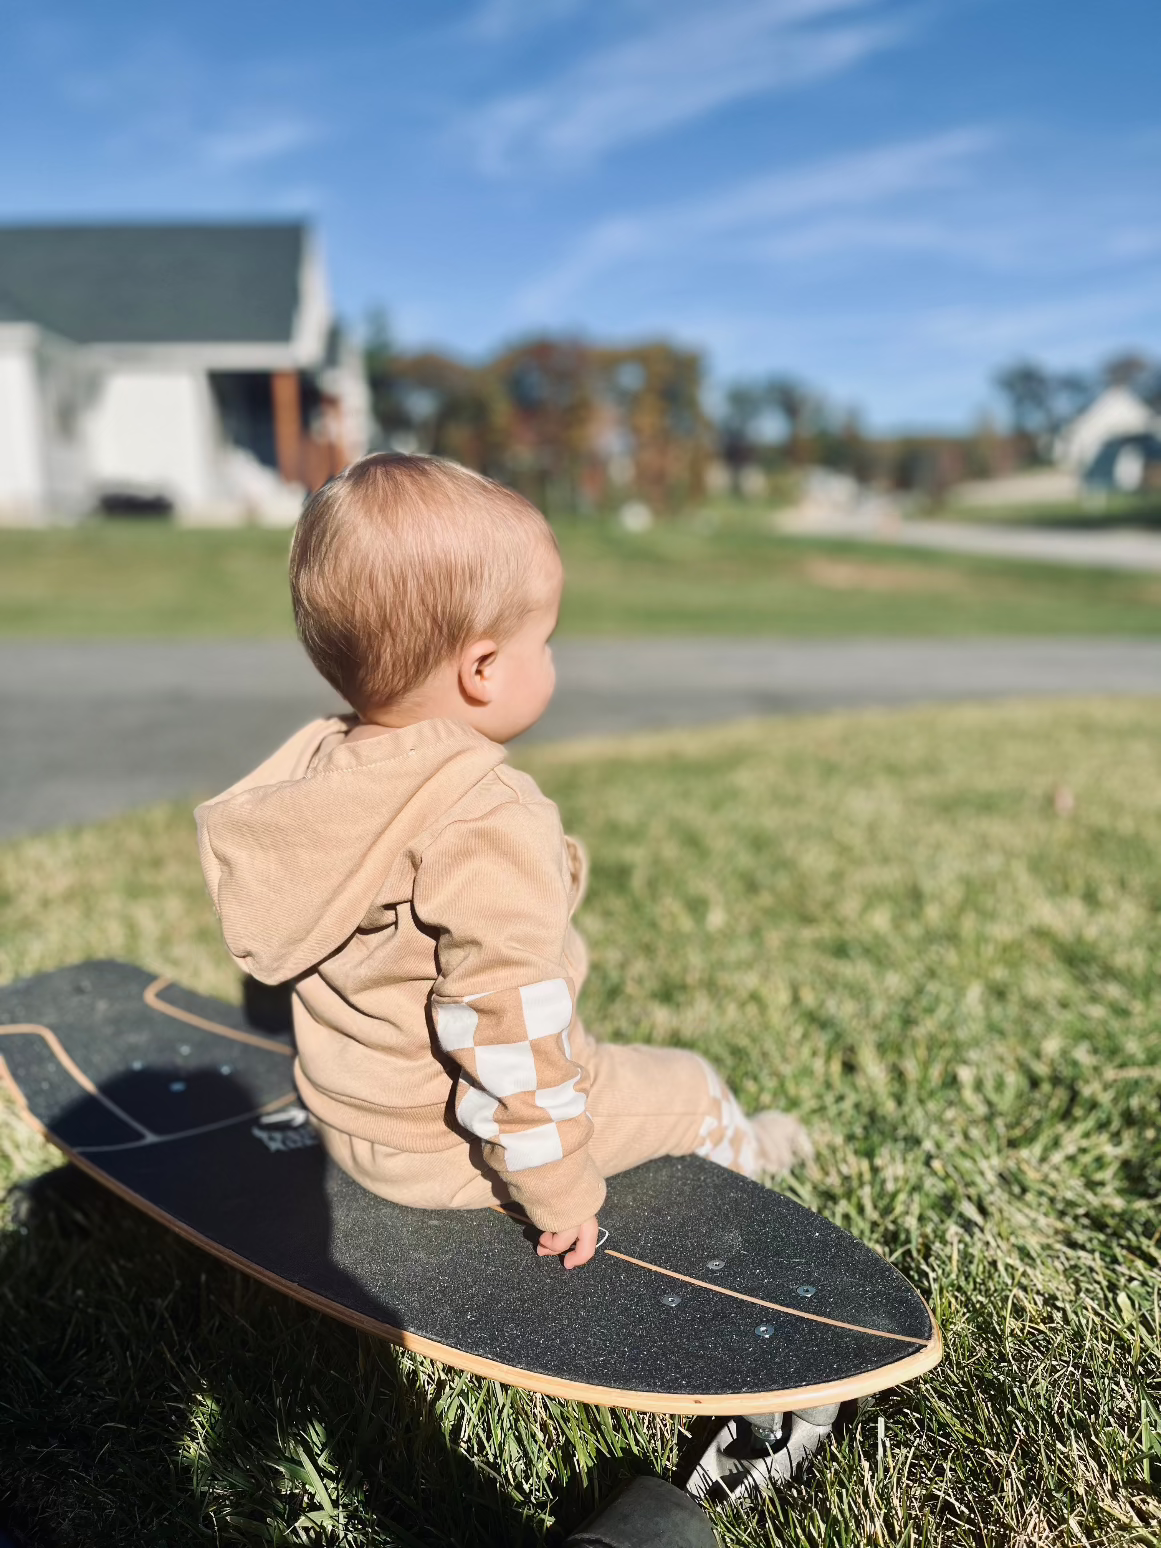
{"x":755,"y":1452}
{"x":729,"y":1460}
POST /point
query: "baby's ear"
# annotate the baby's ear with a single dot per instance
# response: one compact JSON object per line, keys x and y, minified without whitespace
{"x":476,"y":665}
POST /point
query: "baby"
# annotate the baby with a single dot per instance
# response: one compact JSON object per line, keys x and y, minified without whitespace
{"x":419,"y":891}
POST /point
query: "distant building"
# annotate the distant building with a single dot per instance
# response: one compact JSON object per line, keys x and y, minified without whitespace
{"x":1112,"y":442}
{"x":197,"y":368}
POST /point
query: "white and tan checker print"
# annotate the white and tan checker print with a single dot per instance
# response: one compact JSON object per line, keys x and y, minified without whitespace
{"x":518,"y":1085}
{"x":727,"y":1136}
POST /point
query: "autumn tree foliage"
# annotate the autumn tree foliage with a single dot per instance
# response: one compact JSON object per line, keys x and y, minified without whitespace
{"x":571,"y":424}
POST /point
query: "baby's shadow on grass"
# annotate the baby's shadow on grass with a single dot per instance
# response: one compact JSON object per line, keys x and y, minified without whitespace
{"x":156,"y":1393}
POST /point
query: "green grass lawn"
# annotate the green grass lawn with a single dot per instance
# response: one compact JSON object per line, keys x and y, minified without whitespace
{"x":878,"y":921}
{"x":691,"y":576}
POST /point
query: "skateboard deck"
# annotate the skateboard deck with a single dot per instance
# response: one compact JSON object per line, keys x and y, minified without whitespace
{"x":708,"y":1294}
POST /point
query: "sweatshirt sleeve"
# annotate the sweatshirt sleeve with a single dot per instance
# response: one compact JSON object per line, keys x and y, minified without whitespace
{"x":495,"y":890}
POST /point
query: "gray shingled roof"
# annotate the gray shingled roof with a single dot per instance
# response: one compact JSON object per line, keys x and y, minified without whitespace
{"x":203,"y":284}
{"x":9,"y":311}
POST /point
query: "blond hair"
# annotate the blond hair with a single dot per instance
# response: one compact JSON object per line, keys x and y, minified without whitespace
{"x":400,"y":562}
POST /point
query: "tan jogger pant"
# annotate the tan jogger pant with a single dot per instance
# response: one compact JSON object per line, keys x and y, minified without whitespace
{"x":644,"y":1103}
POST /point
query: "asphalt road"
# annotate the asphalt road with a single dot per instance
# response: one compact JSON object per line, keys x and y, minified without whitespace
{"x":89,"y":729}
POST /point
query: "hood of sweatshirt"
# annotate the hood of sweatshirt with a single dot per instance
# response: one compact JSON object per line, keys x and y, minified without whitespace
{"x":297,"y":853}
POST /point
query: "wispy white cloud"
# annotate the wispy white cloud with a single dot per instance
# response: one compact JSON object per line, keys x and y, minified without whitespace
{"x":803,"y":210}
{"x":899,"y":277}
{"x":257,"y":140}
{"x":164,"y":105}
{"x":1072,"y":326}
{"x":496,"y":20}
{"x":1134,"y":241}
{"x":843,"y":236}
{"x":904,"y":365}
{"x":922,"y":362}
{"x":684,"y":62}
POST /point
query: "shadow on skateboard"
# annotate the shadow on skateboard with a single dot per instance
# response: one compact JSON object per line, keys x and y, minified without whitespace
{"x":749,"y":1311}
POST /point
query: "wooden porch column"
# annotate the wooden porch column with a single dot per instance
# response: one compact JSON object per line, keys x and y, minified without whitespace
{"x":287,"y":397}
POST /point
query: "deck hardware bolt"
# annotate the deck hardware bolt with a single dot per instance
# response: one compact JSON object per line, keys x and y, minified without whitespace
{"x":671,"y":1300}
{"x":184,"y":1049}
{"x":716,"y":1263}
{"x":177,"y":1085}
{"x":764,"y":1433}
{"x":138,"y":1064}
{"x":807,"y":1290}
{"x":225,"y":1069}
{"x":764,"y":1330}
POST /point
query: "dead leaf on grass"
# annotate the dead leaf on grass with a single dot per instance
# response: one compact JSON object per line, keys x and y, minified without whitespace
{"x":856,"y":575}
{"x":1063,"y":801}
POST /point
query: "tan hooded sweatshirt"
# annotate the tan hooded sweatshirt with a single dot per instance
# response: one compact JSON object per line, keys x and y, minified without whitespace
{"x":418,"y":892}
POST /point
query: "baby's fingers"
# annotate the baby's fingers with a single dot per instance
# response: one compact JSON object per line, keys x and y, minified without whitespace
{"x":586,"y":1245}
{"x":582,"y":1239}
{"x":553,"y":1243}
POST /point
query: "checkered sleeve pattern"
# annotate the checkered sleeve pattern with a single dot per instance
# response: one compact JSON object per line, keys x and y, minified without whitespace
{"x":522,"y":1094}
{"x":504,"y":1005}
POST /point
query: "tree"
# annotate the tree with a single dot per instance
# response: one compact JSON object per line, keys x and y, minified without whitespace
{"x":378,"y":355}
{"x":738,"y":425}
{"x":1130,"y":369}
{"x":767,"y":414}
{"x":568,"y":423}
{"x":1040,"y":401}
{"x":800,"y":408}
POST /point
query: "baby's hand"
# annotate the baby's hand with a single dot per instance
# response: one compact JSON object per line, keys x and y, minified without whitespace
{"x":582,"y":1239}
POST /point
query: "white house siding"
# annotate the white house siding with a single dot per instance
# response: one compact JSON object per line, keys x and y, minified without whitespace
{"x":346,"y":382}
{"x":153,"y":432}
{"x":22,"y":471}
{"x":1115,"y":413}
{"x":67,"y":386}
{"x":314,"y":314}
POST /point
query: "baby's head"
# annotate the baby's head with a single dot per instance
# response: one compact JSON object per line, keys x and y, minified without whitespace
{"x":424,"y":590}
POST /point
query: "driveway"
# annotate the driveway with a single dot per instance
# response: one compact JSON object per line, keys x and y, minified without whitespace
{"x":1112,"y":548}
{"x":89,"y":729}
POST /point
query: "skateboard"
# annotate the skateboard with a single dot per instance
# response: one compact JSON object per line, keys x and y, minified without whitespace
{"x":708,"y":1294}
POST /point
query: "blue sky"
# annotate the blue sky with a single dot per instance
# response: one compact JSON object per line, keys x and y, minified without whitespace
{"x":887,"y":197}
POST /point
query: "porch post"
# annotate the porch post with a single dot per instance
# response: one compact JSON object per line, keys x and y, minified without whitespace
{"x":287,"y":396}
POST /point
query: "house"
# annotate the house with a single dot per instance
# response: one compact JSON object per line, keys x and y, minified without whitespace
{"x":1117,"y":414}
{"x":192,"y":368}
